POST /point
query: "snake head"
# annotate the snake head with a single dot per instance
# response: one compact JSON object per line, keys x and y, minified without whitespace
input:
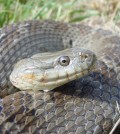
{"x":46,"y":71}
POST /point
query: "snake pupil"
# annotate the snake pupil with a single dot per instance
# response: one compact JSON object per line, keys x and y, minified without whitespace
{"x":86,"y":56}
{"x":64,"y":61}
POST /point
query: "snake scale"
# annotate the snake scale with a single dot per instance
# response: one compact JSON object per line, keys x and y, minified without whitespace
{"x":88,"y":105}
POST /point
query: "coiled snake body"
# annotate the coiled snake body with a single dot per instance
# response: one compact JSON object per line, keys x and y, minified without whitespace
{"x":88,"y":105}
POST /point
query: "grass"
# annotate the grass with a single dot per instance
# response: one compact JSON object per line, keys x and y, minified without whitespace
{"x":65,"y":10}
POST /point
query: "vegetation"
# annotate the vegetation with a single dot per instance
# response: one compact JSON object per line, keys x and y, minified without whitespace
{"x":65,"y":10}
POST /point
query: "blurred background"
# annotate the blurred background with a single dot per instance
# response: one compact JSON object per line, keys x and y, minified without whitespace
{"x":64,"y":10}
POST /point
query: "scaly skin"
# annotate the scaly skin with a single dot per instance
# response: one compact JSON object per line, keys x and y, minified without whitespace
{"x":86,"y":105}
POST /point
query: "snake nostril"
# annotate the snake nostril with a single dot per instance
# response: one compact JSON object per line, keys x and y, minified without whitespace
{"x":86,"y":56}
{"x":12,"y":79}
{"x":14,"y":82}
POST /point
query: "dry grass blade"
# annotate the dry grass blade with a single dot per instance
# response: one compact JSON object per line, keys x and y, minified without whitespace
{"x":118,"y":122}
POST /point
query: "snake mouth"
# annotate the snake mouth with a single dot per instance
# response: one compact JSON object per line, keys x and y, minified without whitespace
{"x":48,"y":84}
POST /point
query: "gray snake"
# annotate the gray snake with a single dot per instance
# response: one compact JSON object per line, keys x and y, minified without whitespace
{"x":83,"y":106}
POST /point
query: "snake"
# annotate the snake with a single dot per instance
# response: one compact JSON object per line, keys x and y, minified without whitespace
{"x":86,"y":101}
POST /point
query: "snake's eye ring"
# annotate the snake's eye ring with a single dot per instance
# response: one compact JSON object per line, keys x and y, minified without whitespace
{"x":64,"y":60}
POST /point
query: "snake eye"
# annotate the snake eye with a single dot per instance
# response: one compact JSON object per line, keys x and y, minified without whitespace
{"x":64,"y":60}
